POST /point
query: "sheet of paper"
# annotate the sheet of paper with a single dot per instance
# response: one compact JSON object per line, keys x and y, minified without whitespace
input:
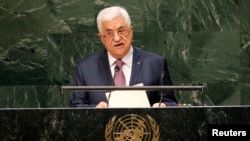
{"x":128,"y":98}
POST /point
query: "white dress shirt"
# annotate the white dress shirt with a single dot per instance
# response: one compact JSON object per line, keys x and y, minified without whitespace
{"x":126,"y":68}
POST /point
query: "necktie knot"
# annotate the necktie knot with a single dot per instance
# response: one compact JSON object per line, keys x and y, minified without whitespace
{"x":119,"y":63}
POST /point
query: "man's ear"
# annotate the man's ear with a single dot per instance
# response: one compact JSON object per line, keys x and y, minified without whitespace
{"x":100,"y":37}
{"x":132,"y":29}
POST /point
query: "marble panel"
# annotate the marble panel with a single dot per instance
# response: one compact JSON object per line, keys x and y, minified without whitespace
{"x":189,"y":123}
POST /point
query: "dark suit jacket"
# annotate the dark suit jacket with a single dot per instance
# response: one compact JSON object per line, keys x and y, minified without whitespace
{"x":95,"y":71}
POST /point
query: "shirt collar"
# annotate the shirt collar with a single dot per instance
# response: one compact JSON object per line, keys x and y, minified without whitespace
{"x":127,"y":59}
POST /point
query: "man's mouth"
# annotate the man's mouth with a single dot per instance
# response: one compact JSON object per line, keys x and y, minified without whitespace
{"x":118,"y":45}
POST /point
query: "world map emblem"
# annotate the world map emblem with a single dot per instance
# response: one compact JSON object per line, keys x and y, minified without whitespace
{"x":132,"y":127}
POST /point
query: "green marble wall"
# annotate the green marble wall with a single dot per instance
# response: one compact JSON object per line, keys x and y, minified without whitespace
{"x":206,"y":42}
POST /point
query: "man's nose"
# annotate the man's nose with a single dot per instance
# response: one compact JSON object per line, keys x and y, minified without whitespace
{"x":117,"y":37}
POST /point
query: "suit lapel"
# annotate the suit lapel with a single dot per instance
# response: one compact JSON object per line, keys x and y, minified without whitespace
{"x":136,"y":67}
{"x":103,"y":66}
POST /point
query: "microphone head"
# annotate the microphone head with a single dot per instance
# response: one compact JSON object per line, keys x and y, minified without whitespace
{"x":117,"y":68}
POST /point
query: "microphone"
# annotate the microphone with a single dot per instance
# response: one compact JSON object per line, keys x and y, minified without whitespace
{"x":116,"y":69}
{"x":162,"y":77}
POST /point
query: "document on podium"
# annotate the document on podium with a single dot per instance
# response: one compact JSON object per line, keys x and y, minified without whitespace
{"x":128,"y":98}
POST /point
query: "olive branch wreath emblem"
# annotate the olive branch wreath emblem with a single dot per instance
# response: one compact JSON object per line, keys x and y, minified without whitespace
{"x":153,"y":125}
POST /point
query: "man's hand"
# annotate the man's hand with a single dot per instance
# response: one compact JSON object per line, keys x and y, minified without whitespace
{"x":102,"y":104}
{"x":161,"y":105}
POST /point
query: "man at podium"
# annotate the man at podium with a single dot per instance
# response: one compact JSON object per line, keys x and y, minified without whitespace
{"x":120,"y":64}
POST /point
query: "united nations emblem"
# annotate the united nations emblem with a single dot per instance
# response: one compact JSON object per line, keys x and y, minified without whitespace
{"x":132,"y":127}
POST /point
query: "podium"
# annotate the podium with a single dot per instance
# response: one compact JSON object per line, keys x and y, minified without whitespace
{"x":89,"y":124}
{"x":109,"y":89}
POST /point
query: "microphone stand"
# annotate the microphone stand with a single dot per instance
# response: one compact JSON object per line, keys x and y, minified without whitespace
{"x":116,"y":69}
{"x":162,"y":77}
{"x":108,"y":98}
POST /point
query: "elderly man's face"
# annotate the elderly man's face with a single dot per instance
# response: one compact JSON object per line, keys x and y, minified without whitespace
{"x":116,"y":37}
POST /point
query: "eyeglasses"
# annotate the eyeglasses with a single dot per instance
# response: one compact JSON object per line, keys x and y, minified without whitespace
{"x":120,"y":32}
